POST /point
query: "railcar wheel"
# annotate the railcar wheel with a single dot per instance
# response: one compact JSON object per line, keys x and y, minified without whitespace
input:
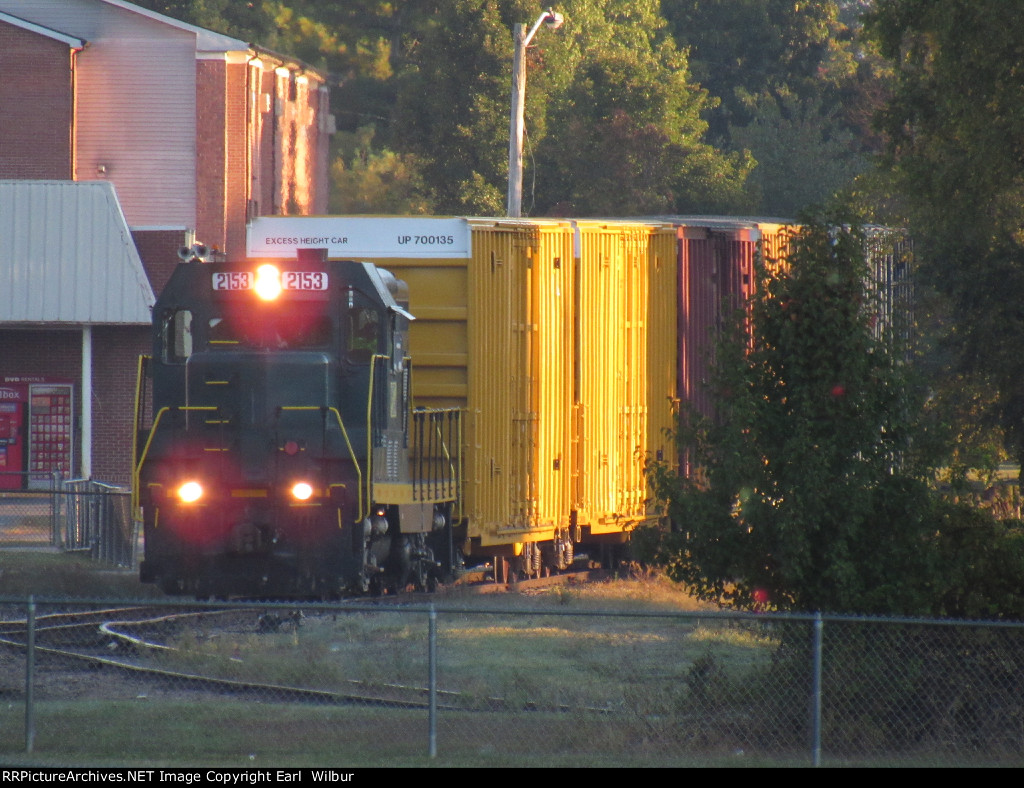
{"x":559,"y":553}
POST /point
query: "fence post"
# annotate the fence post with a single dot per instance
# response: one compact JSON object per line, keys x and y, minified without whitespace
{"x":30,"y":670}
{"x":93,"y":532}
{"x":432,"y":660}
{"x":56,"y":485}
{"x":816,"y":693}
{"x":105,"y":529}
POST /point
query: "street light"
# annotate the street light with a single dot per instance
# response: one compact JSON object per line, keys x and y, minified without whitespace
{"x":515,"y":133}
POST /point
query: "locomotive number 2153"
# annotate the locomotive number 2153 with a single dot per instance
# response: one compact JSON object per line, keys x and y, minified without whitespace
{"x":304,"y":280}
{"x":290,"y":280}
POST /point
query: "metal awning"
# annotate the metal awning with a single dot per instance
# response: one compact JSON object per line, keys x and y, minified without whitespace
{"x":67,"y":256}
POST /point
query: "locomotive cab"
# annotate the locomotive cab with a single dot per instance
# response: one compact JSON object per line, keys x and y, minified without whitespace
{"x":275,"y":459}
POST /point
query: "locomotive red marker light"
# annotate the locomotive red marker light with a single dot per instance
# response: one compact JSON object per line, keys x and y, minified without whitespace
{"x":268,"y":282}
{"x":190,"y":492}
{"x":302,"y":491}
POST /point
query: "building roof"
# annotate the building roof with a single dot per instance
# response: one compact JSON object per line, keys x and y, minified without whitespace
{"x":75,"y":22}
{"x":206,"y":40}
{"x":56,"y":35}
{"x":67,"y":257}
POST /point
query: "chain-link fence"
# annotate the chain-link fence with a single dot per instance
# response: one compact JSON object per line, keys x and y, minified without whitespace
{"x":76,"y":514}
{"x":475,"y":684}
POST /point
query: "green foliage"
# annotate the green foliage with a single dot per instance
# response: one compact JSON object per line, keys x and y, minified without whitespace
{"x":804,"y":153}
{"x":452,"y":109}
{"x":812,"y":489}
{"x":809,"y":492}
{"x":369,"y":181}
{"x":955,"y":122}
{"x":629,"y":121}
{"x":797,"y":86}
{"x":983,"y":565}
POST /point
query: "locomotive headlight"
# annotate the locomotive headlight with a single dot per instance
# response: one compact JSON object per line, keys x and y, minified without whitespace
{"x":301,"y":491}
{"x":190,"y":492}
{"x":268,"y":282}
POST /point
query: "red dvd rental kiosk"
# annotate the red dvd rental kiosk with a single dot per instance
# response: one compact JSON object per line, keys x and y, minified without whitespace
{"x":36,"y":431}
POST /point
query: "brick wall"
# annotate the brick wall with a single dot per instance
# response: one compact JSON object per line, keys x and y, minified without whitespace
{"x":36,"y":102}
{"x":211,"y":111}
{"x":158,"y":250}
{"x":222,"y":166}
{"x":116,"y":350}
{"x":290,"y":167}
{"x":236,"y":165}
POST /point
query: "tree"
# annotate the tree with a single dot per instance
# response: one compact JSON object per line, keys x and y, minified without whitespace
{"x":804,"y":155}
{"x":366,"y":180}
{"x":797,"y":87}
{"x":955,"y":126}
{"x":452,"y":109}
{"x":809,"y":494}
{"x":613,"y":123}
{"x":626,"y":133}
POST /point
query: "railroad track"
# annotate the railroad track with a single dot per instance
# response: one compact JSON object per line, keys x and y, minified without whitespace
{"x":111,"y":639}
{"x":128,"y":644}
{"x":481,"y":581}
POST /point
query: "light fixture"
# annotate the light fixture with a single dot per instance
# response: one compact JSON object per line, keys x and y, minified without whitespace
{"x":302,"y":491}
{"x":190,"y":492}
{"x":268,"y":282}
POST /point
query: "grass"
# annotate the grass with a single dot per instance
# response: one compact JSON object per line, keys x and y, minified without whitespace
{"x":175,"y":735}
{"x":573,"y":676}
{"x":56,"y":575}
{"x":535,"y":685}
{"x":548,"y":648}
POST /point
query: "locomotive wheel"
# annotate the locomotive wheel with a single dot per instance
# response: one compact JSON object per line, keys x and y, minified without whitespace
{"x":421,"y":574}
{"x":424,"y":567}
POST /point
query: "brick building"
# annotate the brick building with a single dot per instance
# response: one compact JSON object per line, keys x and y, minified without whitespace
{"x":192,"y":132}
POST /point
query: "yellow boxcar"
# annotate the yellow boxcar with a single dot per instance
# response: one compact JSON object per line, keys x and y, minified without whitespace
{"x":558,"y":339}
{"x":624,"y":380}
{"x":493,"y":335}
{"x":662,"y":344}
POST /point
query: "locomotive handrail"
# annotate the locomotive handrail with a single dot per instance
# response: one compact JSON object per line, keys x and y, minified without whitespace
{"x":428,"y":421}
{"x":149,"y":441}
{"x":369,"y":430}
{"x":355,"y":461}
{"x":140,"y":374}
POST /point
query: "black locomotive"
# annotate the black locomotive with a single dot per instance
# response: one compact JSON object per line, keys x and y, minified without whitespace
{"x":276,"y":454}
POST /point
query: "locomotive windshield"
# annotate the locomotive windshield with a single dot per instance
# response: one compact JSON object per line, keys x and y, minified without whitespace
{"x":273,"y":332}
{"x":363,"y":334}
{"x":239,"y":326}
{"x":185,"y":333}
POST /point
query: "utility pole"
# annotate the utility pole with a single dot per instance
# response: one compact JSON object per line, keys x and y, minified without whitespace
{"x":521,"y":40}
